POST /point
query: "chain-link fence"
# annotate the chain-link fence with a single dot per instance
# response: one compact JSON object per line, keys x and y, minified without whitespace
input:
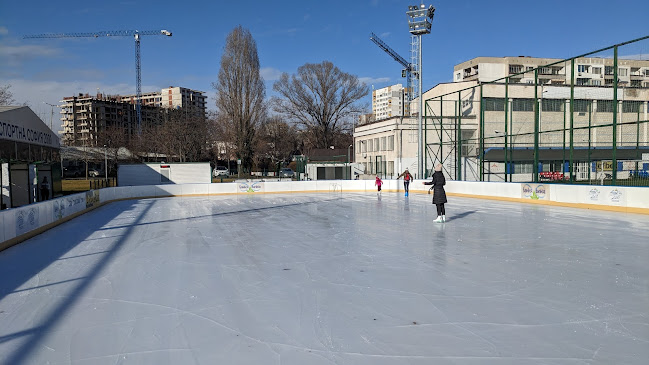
{"x":582,"y":120}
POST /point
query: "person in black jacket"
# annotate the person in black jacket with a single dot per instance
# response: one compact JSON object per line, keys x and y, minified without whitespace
{"x":439,"y":195}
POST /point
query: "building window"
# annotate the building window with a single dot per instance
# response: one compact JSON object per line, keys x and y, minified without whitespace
{"x":605,"y":106}
{"x":631,"y":106}
{"x":457,"y":76}
{"x":582,"y":68}
{"x":523,"y":105}
{"x":523,"y":168}
{"x":596,"y":82}
{"x":608,"y":70}
{"x":597,"y":70}
{"x":582,"y":81}
{"x":494,"y":104}
{"x":581,"y":106}
{"x":369,"y":145}
{"x":514,"y":69}
{"x":390,"y":168}
{"x":390,"y":143}
{"x":622,"y":71}
{"x":552,"y":105}
{"x":376,"y":144}
{"x":384,"y":145}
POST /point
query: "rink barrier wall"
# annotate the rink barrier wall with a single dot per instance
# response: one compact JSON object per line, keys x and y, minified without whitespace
{"x":19,"y":224}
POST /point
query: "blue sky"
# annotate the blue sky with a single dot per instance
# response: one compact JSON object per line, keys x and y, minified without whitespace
{"x":288,"y":35}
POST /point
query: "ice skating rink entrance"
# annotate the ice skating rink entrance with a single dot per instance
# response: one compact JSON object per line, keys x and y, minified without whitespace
{"x":336,"y":278}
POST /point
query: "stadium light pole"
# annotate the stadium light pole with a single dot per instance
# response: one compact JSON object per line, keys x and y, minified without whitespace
{"x":52,"y":113}
{"x":106,"y":163}
{"x":349,"y":161}
{"x":419,"y":22}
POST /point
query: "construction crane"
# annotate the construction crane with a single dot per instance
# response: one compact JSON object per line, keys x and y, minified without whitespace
{"x":407,"y":71}
{"x":120,"y":33}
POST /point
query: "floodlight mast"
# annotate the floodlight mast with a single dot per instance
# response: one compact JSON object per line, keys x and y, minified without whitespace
{"x":419,"y":22}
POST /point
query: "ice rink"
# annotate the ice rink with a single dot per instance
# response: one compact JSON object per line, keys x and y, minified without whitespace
{"x":329,"y":278}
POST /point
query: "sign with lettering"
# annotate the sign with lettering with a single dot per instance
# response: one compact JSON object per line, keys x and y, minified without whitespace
{"x":604,"y":165}
{"x":535,"y":191}
{"x":23,"y":125}
{"x":251,"y":187}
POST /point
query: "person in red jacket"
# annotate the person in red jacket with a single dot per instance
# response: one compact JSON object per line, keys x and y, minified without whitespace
{"x":407,"y":178}
{"x":378,"y":184}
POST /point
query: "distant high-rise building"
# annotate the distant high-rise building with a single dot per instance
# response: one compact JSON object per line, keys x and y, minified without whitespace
{"x":388,"y":102}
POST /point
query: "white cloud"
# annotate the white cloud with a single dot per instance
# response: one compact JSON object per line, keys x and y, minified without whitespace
{"x":270,"y":74}
{"x":372,"y":81}
{"x":17,"y":54}
{"x":3,"y":30}
{"x":385,"y":34}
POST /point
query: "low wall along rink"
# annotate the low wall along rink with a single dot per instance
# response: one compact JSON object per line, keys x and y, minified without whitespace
{"x":19,"y":224}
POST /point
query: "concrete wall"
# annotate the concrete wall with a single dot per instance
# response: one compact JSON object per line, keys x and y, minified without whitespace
{"x":21,"y":223}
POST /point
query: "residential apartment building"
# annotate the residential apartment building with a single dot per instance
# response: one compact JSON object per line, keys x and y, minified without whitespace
{"x":591,"y":71}
{"x":388,"y":102}
{"x":172,"y":97}
{"x":85,"y":116}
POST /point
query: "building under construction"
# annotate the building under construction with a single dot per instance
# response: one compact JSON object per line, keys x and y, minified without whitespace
{"x":84,"y":117}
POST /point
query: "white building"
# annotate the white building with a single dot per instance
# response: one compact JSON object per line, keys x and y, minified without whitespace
{"x":172,"y":97}
{"x":388,"y":102}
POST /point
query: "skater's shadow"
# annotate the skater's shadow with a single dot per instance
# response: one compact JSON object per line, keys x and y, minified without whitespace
{"x":461,"y":215}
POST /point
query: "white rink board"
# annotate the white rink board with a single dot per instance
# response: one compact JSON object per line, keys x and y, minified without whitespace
{"x":18,"y":221}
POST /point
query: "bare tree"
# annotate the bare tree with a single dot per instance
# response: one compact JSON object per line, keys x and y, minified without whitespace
{"x":221,"y":134}
{"x":321,"y":98}
{"x":6,"y":96}
{"x":240,"y":92}
{"x":112,"y":138}
{"x":277,"y":141}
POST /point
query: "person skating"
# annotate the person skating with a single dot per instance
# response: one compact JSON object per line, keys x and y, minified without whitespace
{"x":406,"y":179}
{"x":439,"y":194}
{"x":378,"y":184}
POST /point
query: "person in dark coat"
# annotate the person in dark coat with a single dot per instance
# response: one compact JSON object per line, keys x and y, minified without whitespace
{"x":439,"y":194}
{"x":45,"y":189}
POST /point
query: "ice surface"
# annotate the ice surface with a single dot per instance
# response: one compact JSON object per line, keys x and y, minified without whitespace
{"x":329,"y":279}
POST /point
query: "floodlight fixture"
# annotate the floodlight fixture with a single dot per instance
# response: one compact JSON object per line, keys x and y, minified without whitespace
{"x":420,"y":19}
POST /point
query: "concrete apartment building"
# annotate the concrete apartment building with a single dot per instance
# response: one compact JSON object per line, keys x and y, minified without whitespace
{"x":593,"y":105}
{"x":389,"y":102}
{"x":593,"y":71}
{"x":85,"y":116}
{"x":172,"y":97}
